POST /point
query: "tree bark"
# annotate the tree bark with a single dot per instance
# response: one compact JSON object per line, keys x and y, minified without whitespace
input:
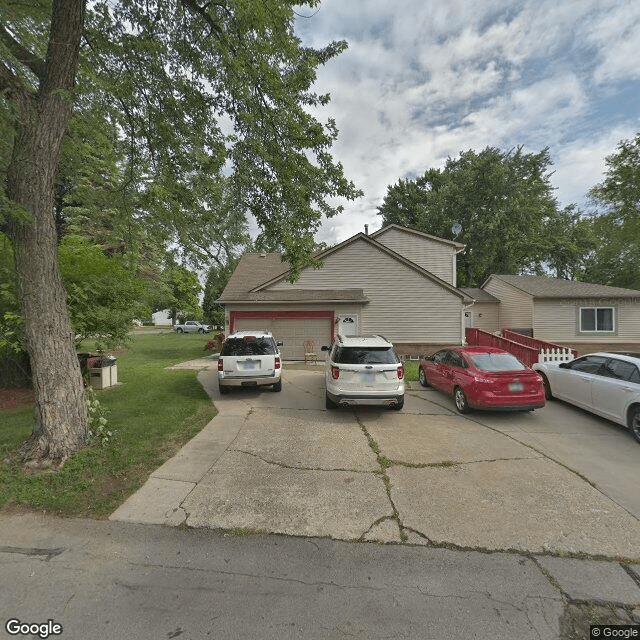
{"x":61,"y":417}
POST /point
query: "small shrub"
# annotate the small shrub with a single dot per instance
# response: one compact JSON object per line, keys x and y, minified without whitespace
{"x":97,"y":430}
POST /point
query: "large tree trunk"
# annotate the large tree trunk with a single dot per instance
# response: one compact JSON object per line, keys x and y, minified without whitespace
{"x":61,"y":416}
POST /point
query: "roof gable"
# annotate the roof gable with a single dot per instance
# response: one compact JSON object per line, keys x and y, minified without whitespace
{"x":414,"y":232}
{"x":361,"y":237}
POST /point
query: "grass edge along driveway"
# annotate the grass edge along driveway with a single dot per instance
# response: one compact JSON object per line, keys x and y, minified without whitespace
{"x":151,"y":414}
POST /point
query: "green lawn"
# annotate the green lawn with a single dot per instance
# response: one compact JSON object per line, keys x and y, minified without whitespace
{"x":152,"y":414}
{"x":411,"y":371}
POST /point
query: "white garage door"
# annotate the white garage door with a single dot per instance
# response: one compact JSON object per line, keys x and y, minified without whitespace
{"x":292,"y":332}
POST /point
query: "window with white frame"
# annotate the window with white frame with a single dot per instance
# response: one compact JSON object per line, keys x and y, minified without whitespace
{"x":595,"y":319}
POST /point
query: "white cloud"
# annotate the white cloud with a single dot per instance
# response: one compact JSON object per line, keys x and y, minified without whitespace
{"x":581,"y":164}
{"x":424,"y":80}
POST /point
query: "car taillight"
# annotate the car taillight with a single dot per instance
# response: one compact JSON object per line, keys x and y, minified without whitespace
{"x":277,"y":362}
{"x":335,"y":373}
{"x":400,"y":372}
{"x":220,"y":365}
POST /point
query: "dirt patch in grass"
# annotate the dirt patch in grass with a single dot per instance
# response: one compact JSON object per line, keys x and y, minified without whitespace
{"x":16,"y":399}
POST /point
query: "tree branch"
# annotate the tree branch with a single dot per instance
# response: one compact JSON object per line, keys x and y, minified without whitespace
{"x":194,"y":7}
{"x":11,"y":84}
{"x":22,"y":54}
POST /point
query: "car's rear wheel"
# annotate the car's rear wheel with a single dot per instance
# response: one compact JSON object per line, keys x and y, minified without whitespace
{"x":329,"y":403}
{"x":422,"y":378}
{"x":547,"y":387}
{"x":399,"y":404}
{"x":460,"y":399}
{"x":634,"y":422}
{"x":223,"y":390}
{"x":278,"y":386}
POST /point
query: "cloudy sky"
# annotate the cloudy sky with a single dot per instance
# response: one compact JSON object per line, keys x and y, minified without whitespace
{"x":424,"y":79}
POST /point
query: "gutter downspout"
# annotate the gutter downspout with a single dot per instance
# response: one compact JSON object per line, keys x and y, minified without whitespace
{"x":455,"y":265}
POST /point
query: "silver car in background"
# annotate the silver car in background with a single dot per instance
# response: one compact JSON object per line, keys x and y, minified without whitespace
{"x":605,"y":383}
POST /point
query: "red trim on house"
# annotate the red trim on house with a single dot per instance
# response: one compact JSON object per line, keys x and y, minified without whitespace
{"x":272,"y":315}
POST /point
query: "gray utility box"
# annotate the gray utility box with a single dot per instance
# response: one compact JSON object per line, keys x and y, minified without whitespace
{"x":105,"y":375}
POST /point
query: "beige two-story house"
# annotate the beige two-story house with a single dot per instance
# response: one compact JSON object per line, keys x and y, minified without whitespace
{"x":396,"y":282}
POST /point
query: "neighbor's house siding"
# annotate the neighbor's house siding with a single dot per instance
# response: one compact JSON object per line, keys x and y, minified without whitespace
{"x":516,"y":307}
{"x":436,"y":257}
{"x":557,"y":321}
{"x":404,"y":305}
{"x":486,"y":316}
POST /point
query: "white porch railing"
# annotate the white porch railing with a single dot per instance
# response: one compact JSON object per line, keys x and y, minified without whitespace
{"x":555,"y":355}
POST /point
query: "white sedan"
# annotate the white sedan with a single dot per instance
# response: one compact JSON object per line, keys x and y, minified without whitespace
{"x":607,"y":384}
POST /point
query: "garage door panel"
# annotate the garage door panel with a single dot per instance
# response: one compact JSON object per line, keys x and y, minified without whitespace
{"x":292,"y":332}
{"x":251,"y":324}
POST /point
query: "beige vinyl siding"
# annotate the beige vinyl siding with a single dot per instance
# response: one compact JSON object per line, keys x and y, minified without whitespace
{"x":404,"y":306}
{"x":436,"y":257}
{"x":516,"y":307}
{"x":557,"y":321}
{"x":486,"y":316}
{"x":628,"y":322}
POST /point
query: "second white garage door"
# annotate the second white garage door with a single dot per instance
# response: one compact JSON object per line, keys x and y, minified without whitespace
{"x":292,"y":332}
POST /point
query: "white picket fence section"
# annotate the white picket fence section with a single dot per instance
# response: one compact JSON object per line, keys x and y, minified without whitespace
{"x":555,"y":355}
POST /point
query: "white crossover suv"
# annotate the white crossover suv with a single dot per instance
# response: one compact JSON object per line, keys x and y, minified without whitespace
{"x":249,"y":359}
{"x":363,"y":370}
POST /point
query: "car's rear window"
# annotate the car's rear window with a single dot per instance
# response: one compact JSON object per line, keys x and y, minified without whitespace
{"x":365,"y":355}
{"x":244,"y":347}
{"x":495,"y":362}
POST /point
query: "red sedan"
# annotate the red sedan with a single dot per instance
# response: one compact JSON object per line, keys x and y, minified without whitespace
{"x":483,"y":378}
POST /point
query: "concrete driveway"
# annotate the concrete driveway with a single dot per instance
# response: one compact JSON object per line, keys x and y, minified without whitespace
{"x":557,"y":480}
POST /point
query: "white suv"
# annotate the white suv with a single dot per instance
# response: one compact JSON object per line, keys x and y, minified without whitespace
{"x":249,"y":359}
{"x":363,"y":370}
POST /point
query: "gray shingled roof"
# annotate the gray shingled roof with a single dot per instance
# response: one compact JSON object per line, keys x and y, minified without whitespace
{"x":543,"y":287}
{"x":255,"y":268}
{"x":479,"y":295}
{"x":252,"y":270}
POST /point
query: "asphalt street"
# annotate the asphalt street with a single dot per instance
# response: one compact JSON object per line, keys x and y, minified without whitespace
{"x":114,"y":580}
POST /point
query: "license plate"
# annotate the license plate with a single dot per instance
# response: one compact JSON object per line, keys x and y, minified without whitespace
{"x":516,"y":386}
{"x":368,"y":378}
{"x":250,"y":364}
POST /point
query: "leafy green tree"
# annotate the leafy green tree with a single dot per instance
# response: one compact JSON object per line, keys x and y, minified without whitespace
{"x":217,"y":278}
{"x":205,"y":96}
{"x":617,"y":223}
{"x":103,"y":294}
{"x":502,"y":200}
{"x":565,"y":243}
{"x":183,"y":287}
{"x":14,"y":365}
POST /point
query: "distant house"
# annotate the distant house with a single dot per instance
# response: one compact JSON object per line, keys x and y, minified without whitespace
{"x":162,"y":318}
{"x":577,"y":313}
{"x":397,"y":282}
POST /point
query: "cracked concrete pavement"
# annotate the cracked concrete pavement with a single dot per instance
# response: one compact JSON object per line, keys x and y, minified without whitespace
{"x":281,"y":463}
